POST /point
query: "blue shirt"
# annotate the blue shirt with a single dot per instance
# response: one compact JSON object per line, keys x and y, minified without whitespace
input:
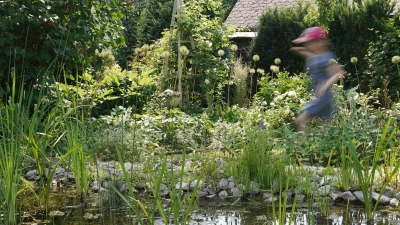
{"x":317,"y":66}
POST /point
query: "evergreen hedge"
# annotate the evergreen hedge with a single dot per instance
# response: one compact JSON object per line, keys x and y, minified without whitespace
{"x":354,"y":27}
{"x":277,"y":28}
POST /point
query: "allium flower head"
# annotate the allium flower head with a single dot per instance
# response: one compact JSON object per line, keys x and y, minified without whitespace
{"x":332,"y":61}
{"x":206,"y":81}
{"x":256,"y":58}
{"x":221,"y":53}
{"x":274,"y":68}
{"x":252,"y":71}
{"x":354,"y":60}
{"x":396,"y":59}
{"x":165,"y":54}
{"x":261,"y":71}
{"x":234,"y":48}
{"x":277,"y":61}
{"x":184,"y":51}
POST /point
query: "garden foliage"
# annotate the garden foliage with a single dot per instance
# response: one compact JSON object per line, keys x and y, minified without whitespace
{"x":381,"y":67}
{"x":206,"y":60}
{"x":57,"y":36}
{"x":277,"y":28}
{"x":353,"y":28}
{"x":154,"y":19}
{"x":115,"y":88}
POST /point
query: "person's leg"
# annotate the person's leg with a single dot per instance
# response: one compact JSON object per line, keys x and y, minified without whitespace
{"x":302,"y":120}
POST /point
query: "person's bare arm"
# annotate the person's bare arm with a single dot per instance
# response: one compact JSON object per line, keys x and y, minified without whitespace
{"x":303,"y":52}
{"x":334,"y":71}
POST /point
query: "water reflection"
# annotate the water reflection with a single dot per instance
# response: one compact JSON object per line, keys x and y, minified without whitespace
{"x":232,"y":213}
{"x":256,"y":213}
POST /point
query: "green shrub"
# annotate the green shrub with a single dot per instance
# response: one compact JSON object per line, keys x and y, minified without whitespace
{"x":115,"y":88}
{"x":283,"y":96}
{"x":277,"y":28}
{"x":59,"y":37}
{"x":352,"y":29}
{"x":155,"y":18}
{"x":282,"y":83}
{"x":380,"y":66}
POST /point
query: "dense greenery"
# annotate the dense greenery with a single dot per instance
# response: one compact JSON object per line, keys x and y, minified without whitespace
{"x":277,"y":28}
{"x":382,"y":71}
{"x":155,"y":18}
{"x":352,"y":29}
{"x":57,"y":36}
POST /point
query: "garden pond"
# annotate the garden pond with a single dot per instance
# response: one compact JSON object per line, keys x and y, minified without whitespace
{"x":67,"y":210}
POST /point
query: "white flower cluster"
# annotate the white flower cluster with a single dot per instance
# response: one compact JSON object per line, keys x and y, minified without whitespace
{"x":119,"y":116}
{"x":279,"y":97}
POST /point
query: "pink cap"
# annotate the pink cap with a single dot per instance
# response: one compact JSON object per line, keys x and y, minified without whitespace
{"x":311,"y":34}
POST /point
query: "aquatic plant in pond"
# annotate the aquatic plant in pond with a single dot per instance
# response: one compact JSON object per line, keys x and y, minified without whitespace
{"x":13,"y":123}
{"x":365,"y":175}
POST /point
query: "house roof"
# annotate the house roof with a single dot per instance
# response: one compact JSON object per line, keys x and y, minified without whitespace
{"x":246,"y":13}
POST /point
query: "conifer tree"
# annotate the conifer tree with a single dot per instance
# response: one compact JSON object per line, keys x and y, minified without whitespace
{"x":155,"y":18}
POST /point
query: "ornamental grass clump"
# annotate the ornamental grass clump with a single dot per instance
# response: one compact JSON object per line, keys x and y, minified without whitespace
{"x":14,"y":123}
{"x":239,"y":74}
{"x":366,"y":168}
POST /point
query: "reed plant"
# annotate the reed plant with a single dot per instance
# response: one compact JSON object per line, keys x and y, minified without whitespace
{"x":346,"y":172}
{"x":256,"y":161}
{"x":366,"y":169}
{"x":239,"y":75}
{"x":323,"y":197}
{"x":42,"y":136}
{"x":133,"y":203}
{"x":279,"y":211}
{"x":74,"y":125}
{"x":14,"y":121}
{"x":182,"y":204}
{"x":77,"y":156}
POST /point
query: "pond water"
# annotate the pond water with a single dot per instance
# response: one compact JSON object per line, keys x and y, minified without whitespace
{"x":218,"y":212}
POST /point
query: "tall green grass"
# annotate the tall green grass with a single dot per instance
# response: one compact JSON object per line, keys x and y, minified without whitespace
{"x":17,"y":122}
{"x":13,"y":124}
{"x":256,"y":162}
{"x":279,"y":211}
{"x":366,"y":169}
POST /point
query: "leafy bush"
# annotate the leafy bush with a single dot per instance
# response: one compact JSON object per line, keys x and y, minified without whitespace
{"x":282,"y":97}
{"x":155,"y":18}
{"x":381,"y":69}
{"x":283,"y":83}
{"x":353,"y":27}
{"x":173,"y":129}
{"x":277,"y":28}
{"x":116,"y":88}
{"x":58,"y":36}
